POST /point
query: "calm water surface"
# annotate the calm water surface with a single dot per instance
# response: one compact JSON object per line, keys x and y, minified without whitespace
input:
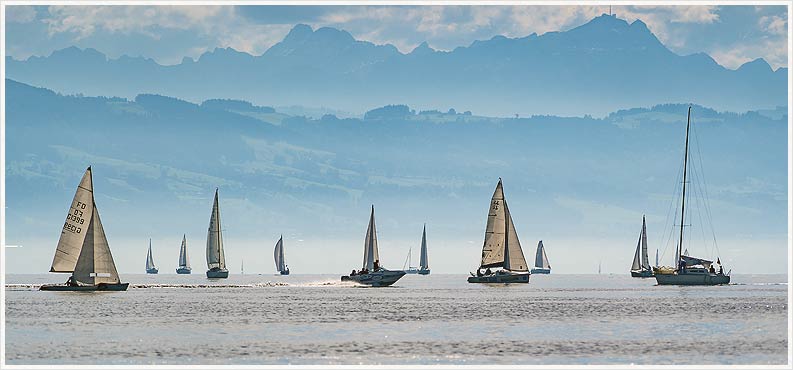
{"x":435,"y":319}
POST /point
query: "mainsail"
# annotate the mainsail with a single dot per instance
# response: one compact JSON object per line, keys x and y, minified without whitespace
{"x":95,"y":264}
{"x":514,"y":259}
{"x":149,"y":259}
{"x":645,"y":259}
{"x":76,"y":226}
{"x":184,"y":262}
{"x":540,"y":259}
{"x":370,"y":252}
{"x":216,"y":258}
{"x":280,"y":263}
{"x":495,"y":231}
{"x":423,"y":262}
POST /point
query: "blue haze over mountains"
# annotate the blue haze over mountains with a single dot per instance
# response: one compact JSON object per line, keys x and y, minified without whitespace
{"x":597,"y":68}
{"x":579,"y":183}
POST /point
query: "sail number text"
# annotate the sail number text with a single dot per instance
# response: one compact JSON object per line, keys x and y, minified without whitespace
{"x":76,"y":216}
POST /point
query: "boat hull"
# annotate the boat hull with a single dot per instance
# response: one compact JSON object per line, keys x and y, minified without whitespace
{"x":217,"y":274}
{"x":184,"y":271}
{"x":642,"y":274}
{"x":424,"y":272}
{"x":152,"y":271}
{"x":101,"y":287}
{"x":692,"y":279}
{"x":417,"y":271}
{"x":540,"y":271}
{"x":501,"y":278}
{"x":285,"y":272}
{"x":376,"y":279}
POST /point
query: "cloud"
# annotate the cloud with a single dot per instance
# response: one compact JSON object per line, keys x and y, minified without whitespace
{"x":20,"y":13}
{"x":775,"y":24}
{"x":774,"y":51}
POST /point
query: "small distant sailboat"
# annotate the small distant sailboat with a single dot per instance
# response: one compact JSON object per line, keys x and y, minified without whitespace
{"x":599,"y":267}
{"x":542,"y":266}
{"x":216,"y":257}
{"x":424,"y":268}
{"x":83,"y":249}
{"x":501,"y":247}
{"x":150,"y":268}
{"x":641,"y":263}
{"x":184,"y":262}
{"x":689,"y":270}
{"x":372,"y":272}
{"x":278,"y":254}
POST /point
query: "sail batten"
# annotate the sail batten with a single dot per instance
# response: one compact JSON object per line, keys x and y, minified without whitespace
{"x":75,"y":227}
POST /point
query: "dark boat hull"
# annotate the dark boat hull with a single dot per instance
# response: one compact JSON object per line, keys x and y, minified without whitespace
{"x":501,"y":278}
{"x":540,"y":271}
{"x":152,"y":271}
{"x":183,"y":271}
{"x":285,"y":272}
{"x":642,"y":274}
{"x":379,"y":278}
{"x":424,"y":272}
{"x":692,"y":279}
{"x":217,"y":274}
{"x":101,"y":287}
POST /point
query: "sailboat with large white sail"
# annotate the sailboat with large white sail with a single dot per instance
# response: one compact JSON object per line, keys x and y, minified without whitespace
{"x":424,"y":266}
{"x":541,"y":264}
{"x":216,"y":257}
{"x":278,"y":254}
{"x":150,"y":267}
{"x":83,"y":249}
{"x":184,"y":262}
{"x":689,"y":270}
{"x":373,"y":273}
{"x":501,"y":247}
{"x":641,"y":262}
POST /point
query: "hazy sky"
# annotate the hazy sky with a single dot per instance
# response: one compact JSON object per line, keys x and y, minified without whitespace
{"x":732,"y":35}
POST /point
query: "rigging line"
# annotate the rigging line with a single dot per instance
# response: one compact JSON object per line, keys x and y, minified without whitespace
{"x":709,"y":214}
{"x":668,"y":229}
{"x":697,"y":193}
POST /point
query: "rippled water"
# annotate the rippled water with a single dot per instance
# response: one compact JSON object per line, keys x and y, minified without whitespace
{"x":435,"y":319}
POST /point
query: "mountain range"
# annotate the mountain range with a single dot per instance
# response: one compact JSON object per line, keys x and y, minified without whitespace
{"x":580,"y":184}
{"x":599,"y":67}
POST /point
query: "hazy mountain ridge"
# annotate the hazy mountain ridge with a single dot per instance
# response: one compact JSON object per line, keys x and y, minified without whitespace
{"x":602,"y":66}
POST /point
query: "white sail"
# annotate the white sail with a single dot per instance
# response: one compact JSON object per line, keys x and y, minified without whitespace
{"x":423,"y":262}
{"x":645,"y":259}
{"x":495,"y":231}
{"x":370,"y":251}
{"x":278,"y":253}
{"x":514,"y":259}
{"x":149,"y":259}
{"x":636,"y":259}
{"x":215,"y":255}
{"x":541,"y":259}
{"x":656,"y":257}
{"x":95,"y":264}
{"x":184,"y":262}
{"x":76,"y":226}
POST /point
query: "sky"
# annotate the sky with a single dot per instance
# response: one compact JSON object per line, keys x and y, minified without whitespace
{"x":732,"y":35}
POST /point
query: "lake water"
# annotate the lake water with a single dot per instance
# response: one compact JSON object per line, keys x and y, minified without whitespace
{"x":435,"y":319}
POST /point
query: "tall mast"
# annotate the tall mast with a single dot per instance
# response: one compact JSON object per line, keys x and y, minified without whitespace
{"x":683,"y":207}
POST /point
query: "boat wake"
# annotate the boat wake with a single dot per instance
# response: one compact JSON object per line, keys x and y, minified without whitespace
{"x":267,"y":284}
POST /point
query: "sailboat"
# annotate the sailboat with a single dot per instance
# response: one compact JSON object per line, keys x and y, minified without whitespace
{"x":541,"y":264}
{"x":372,"y":273}
{"x":216,"y":258}
{"x":641,"y":263}
{"x":150,"y":268}
{"x":83,"y":249}
{"x":501,"y":247}
{"x":184,"y":262}
{"x":424,"y":268}
{"x":280,"y":261}
{"x":689,"y":270}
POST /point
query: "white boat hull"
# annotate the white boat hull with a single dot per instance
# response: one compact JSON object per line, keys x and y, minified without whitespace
{"x":501,"y":277}
{"x":379,"y":278}
{"x":692,"y":279}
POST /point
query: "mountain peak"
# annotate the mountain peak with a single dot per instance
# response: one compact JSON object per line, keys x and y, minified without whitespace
{"x":423,"y":48}
{"x":757,"y":65}
{"x":299,"y":33}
